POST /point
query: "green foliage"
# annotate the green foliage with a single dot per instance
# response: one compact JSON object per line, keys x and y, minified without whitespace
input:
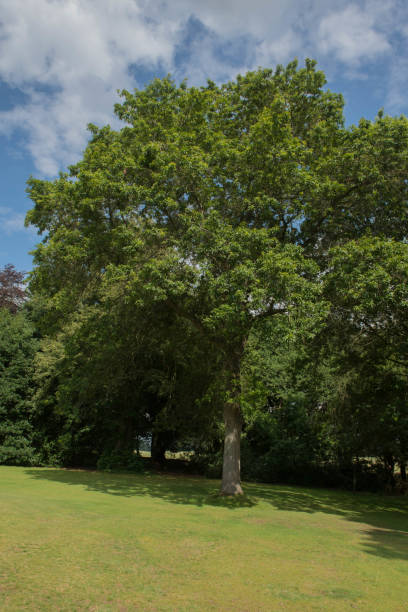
{"x":191,"y":210}
{"x":231,"y":245}
{"x":369,"y":279}
{"x":280,"y":446}
{"x":17,"y":349}
{"x":120,"y":460}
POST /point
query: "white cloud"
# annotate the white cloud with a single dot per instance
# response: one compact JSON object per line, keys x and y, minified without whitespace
{"x":351,"y":35}
{"x":11,"y":222}
{"x":70,"y":56}
{"x":397,"y":92}
{"x":229,"y":18}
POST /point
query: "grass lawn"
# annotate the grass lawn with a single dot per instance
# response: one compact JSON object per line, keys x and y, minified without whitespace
{"x":76,"y":540}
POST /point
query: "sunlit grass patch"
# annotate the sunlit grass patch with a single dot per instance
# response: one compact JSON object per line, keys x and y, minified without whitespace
{"x":81,"y":540}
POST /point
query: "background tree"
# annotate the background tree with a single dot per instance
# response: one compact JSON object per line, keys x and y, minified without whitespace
{"x":367,"y":285}
{"x":17,"y":350}
{"x":12,"y":293}
{"x":115,"y":374}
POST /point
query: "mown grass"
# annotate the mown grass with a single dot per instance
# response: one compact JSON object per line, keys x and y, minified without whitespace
{"x":78,"y":540}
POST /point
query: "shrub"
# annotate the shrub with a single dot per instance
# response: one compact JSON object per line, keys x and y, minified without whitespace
{"x":120,"y":460}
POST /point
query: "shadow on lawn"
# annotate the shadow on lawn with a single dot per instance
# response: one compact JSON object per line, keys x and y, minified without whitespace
{"x":385,"y":519}
{"x":174,"y":488}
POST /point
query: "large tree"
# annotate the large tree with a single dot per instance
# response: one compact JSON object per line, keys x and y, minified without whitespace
{"x":217,"y":202}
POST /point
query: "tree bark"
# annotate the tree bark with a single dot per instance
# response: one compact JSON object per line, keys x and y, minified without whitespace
{"x":125,"y":440}
{"x":231,"y":469}
{"x":160,"y":443}
{"x":389,"y":464}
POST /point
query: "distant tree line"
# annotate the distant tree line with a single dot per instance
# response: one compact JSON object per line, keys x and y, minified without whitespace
{"x":227,"y":274}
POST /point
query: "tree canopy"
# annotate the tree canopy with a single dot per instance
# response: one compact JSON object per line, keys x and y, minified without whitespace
{"x":213,"y":214}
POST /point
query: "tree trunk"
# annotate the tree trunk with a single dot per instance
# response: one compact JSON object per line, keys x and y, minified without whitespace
{"x":355,"y":464}
{"x":389,"y":464}
{"x":160,"y":443}
{"x":231,"y":469}
{"x":125,"y":440}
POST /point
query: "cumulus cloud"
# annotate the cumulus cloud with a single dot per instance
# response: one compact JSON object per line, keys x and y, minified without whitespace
{"x":351,"y":35}
{"x":70,"y":56}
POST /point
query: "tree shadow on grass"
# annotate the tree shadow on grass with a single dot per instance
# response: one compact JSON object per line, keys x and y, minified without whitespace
{"x":384,"y":519}
{"x":173,"y":488}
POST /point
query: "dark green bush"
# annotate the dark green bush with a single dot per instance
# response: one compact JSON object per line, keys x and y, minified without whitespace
{"x":17,"y":349}
{"x":120,"y":460}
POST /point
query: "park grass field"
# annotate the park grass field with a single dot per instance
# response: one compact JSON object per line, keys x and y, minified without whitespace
{"x":80,"y":540}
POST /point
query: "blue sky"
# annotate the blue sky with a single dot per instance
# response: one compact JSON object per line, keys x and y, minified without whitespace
{"x":62,"y":61}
